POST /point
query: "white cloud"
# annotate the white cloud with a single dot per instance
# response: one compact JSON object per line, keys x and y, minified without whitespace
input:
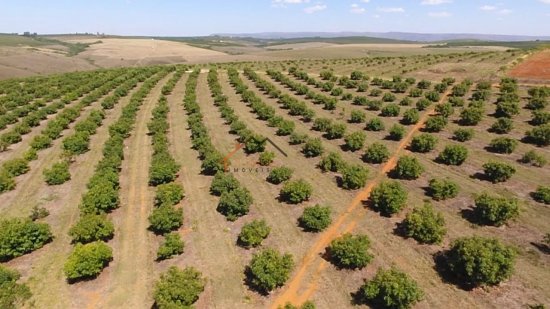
{"x":367,"y":1}
{"x":316,"y":8}
{"x":356,"y":9}
{"x":435,"y":2}
{"x":439,"y":14}
{"x":283,"y":3}
{"x":504,"y":12}
{"x":488,"y":8}
{"x":391,"y":10}
{"x":545,"y":1}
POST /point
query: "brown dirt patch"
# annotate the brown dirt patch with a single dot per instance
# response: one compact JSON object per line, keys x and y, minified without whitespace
{"x":534,"y":67}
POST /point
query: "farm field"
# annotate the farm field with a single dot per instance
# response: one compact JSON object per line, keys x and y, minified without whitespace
{"x":277,"y":181}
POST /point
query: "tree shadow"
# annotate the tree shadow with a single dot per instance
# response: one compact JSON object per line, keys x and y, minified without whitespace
{"x":470,"y":215}
{"x":250,"y":284}
{"x":441,"y":266}
{"x":400,"y":230}
{"x":541,"y":247}
{"x":480,"y":176}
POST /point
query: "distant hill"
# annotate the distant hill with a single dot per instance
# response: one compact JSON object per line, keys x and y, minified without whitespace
{"x":400,"y":36}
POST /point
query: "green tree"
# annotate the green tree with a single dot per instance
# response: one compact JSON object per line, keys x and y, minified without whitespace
{"x":479,"y":261}
{"x":453,"y":155}
{"x":376,"y":153}
{"x":411,"y":116}
{"x":539,"y":135}
{"x":332,"y":162}
{"x":12,"y":294}
{"x":533,"y":158}
{"x":178,"y":288}
{"x":389,"y":197}
{"x":336,"y":130}
{"x":58,"y":174}
{"x":169,"y":194}
{"x":223,"y":182}
{"x":445,"y":109}
{"x":315,"y":218}
{"x":423,"y":143}
{"x":354,"y":177}
{"x":279,"y":175}
{"x":471,"y":116}
{"x":542,"y":194}
{"x":494,"y":210}
{"x":502,"y":126}
{"x":350,"y":251}
{"x":313,"y":148}
{"x":163,"y":169}
{"x":76,"y":144}
{"x":269,"y":269}
{"x":503,"y":145}
{"x":266,"y":158}
{"x":396,"y":132}
{"x":375,"y":124}
{"x":100,"y":198}
{"x":165,"y":219}
{"x":498,"y":171}
{"x":253,"y":233}
{"x":442,"y":189}
{"x":355,"y":140}
{"x":425,"y":225}
{"x":463,"y":135}
{"x":16,"y":167}
{"x":435,"y":124}
{"x":22,"y":236}
{"x":358,"y":116}
{"x":408,"y":167}
{"x":390,"y":110}
{"x":296,"y":191}
{"x":392,"y":289}
{"x":7,"y":182}
{"x":173,"y":245}
{"x":91,"y":228}
{"x":235,"y":203}
{"x":87,"y":261}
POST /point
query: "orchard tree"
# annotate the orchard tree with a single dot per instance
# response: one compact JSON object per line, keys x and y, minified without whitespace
{"x":408,"y":168}
{"x":411,"y":116}
{"x":91,"y":228}
{"x":463,"y":135}
{"x":313,"y":148}
{"x":253,"y":233}
{"x":296,"y":191}
{"x":350,"y":251}
{"x":173,"y":245}
{"x":376,"y":153}
{"x":358,"y":116}
{"x":388,"y":197}
{"x":425,"y":225}
{"x":503,"y":145}
{"x":502,"y":126}
{"x":533,"y":158}
{"x":165,"y":219}
{"x":332,"y":162}
{"x":354,"y":177}
{"x":478,"y":261}
{"x":492,"y":210}
{"x":355,"y":140}
{"x":235,"y":203}
{"x":279,"y":175}
{"x":539,"y":135}
{"x":178,"y":288}
{"x":498,"y":171}
{"x":266,"y":158}
{"x":315,"y":218}
{"x":442,"y":189}
{"x":22,"y":236}
{"x":87,"y":261}
{"x":435,"y":124}
{"x":396,"y":132}
{"x":269,"y":269}
{"x":12,"y":294}
{"x":391,"y":288}
{"x":169,"y":194}
{"x":471,"y":116}
{"x":375,"y":124}
{"x":542,"y":194}
{"x":58,"y":174}
{"x":223,"y":182}
{"x":423,"y":143}
{"x":453,"y":155}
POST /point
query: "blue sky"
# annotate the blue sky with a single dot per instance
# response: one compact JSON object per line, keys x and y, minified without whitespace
{"x":204,"y":17}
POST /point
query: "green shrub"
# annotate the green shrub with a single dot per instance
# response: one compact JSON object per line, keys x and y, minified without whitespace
{"x":463,"y":135}
{"x":336,"y":130}
{"x":315,"y":218}
{"x":269,"y":269}
{"x":390,"y":110}
{"x":100,"y":198}
{"x":165,"y":219}
{"x":389,"y":197}
{"x":411,"y":116}
{"x":539,"y":135}
{"x":354,"y":177}
{"x":177,"y":288}
{"x":376,"y":153}
{"x":307,"y":305}
{"x":169,"y":194}
{"x":355,"y":140}
{"x":540,"y":118}
{"x":286,"y":127}
{"x":425,"y":225}
{"x":542,"y":194}
{"x":507,"y":109}
{"x":533,"y":158}
{"x":172,"y":246}
{"x":391,"y":289}
{"x":375,"y":124}
{"x":87,"y":261}
{"x":223,"y":182}
{"x":502,"y":126}
{"x":333,"y":162}
{"x":358,"y":116}
{"x":445,"y":109}
{"x":296,"y":191}
{"x":313,"y":148}
{"x":12,"y":294}
{"x":163,"y":169}
{"x":442,"y":189}
{"x":279,"y":175}
{"x":58,"y":174}
{"x":397,"y":132}
{"x":322,"y":124}
{"x":22,"y":236}
{"x":40,"y":142}
{"x":235,"y":203}
{"x":297,"y":138}
{"x":453,"y":155}
{"x":435,"y":124}
{"x":407,"y":167}
{"x":423,"y":143}
{"x":38,"y":212}
{"x":350,"y":251}
{"x":212,"y":163}
{"x":266,"y":158}
{"x":495,"y":210}
{"x":16,"y":167}
{"x":422,"y":104}
{"x":478,"y":261}
{"x":498,"y":171}
{"x":253,"y":233}
{"x":503,"y":145}
{"x":7,"y":182}
{"x":76,"y":144}
{"x":92,"y":228}
{"x":471,"y":116}
{"x":254,"y":143}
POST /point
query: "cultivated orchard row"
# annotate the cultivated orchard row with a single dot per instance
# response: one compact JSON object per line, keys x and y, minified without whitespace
{"x":350,"y":128}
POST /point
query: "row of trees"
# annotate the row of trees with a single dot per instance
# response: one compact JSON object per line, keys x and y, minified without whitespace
{"x":91,"y":254}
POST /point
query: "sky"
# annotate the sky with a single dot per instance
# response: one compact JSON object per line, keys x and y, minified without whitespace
{"x":205,"y":17}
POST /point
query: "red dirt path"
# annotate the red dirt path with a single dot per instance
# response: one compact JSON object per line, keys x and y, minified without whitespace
{"x":536,"y":66}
